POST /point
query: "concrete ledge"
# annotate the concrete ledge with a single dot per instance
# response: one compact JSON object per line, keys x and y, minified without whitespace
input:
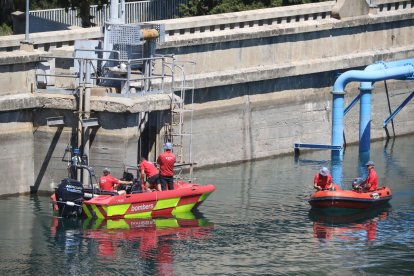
{"x":16,"y":57}
{"x":68,"y":102}
{"x":283,"y":29}
{"x":269,"y":72}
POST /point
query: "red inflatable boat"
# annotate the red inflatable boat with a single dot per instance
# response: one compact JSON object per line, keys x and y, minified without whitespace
{"x":349,"y":199}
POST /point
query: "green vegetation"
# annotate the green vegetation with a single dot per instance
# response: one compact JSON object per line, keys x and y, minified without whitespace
{"x":205,"y":7}
{"x":5,"y":29}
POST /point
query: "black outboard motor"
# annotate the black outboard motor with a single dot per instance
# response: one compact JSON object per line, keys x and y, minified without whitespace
{"x":133,"y":188}
{"x":69,"y":197}
{"x":358,"y":184}
{"x":136,"y":187}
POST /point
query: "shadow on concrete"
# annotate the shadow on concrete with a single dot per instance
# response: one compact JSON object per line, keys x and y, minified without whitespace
{"x":43,"y":168}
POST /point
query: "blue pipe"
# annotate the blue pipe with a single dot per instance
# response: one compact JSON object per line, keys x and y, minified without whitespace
{"x":365,"y":121}
{"x":366,"y":77}
{"x":365,"y":103}
{"x":398,"y":109}
{"x":371,"y":76}
{"x":338,"y":123}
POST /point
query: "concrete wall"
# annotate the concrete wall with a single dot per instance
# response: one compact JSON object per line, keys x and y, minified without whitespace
{"x":261,"y":126}
{"x":258,"y":91}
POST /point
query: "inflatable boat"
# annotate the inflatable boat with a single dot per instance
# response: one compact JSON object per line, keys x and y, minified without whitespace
{"x":355,"y":199}
{"x":72,"y":199}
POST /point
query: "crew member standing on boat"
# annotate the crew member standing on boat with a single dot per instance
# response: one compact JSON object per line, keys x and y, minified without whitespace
{"x":150,"y":172}
{"x":109,"y":183}
{"x":166,"y":161}
{"x":371,"y":183}
{"x":322,"y":180}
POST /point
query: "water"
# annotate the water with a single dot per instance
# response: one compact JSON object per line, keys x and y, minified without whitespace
{"x":257,"y":222}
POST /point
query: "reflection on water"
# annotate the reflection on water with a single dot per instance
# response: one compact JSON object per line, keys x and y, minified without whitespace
{"x":361,"y":224}
{"x":151,"y":239}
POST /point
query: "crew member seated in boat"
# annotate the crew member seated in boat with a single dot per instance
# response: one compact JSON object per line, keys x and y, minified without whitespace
{"x":109,"y":183}
{"x":371,"y":182}
{"x":166,"y":161}
{"x":322,"y":180}
{"x":150,"y":172}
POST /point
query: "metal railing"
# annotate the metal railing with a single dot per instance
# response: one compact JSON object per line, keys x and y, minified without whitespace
{"x":151,"y":79}
{"x":135,"y":12}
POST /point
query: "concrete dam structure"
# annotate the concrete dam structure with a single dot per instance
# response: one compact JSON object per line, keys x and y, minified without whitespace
{"x":260,"y":80}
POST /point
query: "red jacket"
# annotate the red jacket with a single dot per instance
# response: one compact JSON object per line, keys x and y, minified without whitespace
{"x":149,"y":168}
{"x":322,"y":181}
{"x":107,"y":182}
{"x":372,"y":179}
{"x":166,"y":161}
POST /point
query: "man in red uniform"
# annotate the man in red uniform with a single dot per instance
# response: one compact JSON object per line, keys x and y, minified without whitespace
{"x":322,"y":180}
{"x":150,"y":173}
{"x":166,"y":161}
{"x":371,"y":183}
{"x":109,"y":183}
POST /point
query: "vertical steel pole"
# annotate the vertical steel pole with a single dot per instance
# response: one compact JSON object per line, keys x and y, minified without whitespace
{"x":80,"y":109}
{"x":26,"y":35}
{"x":86,"y":115}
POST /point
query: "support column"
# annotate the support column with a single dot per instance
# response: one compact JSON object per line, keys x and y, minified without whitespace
{"x":338,"y":122}
{"x":87,"y":113}
{"x":365,"y":120}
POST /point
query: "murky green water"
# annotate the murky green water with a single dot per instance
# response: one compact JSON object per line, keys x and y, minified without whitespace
{"x":257,"y":222}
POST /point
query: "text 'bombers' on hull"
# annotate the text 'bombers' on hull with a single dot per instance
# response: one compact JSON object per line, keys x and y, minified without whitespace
{"x":349,"y":199}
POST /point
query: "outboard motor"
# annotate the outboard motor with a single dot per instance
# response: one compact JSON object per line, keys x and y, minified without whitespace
{"x":69,"y":197}
{"x":358,"y":184}
{"x":136,"y":187}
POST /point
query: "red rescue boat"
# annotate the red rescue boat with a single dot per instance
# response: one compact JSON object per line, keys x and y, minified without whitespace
{"x":72,"y":199}
{"x":349,"y":199}
{"x":184,"y":198}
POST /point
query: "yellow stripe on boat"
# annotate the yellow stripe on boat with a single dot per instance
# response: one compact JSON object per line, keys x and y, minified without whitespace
{"x":167,"y":203}
{"x":203,"y":197}
{"x":117,"y":224}
{"x":184,"y":215}
{"x":114,"y":210}
{"x":138,"y":215}
{"x":183,"y":208}
{"x":86,"y":211}
{"x":97,"y":212}
{"x":159,"y":223}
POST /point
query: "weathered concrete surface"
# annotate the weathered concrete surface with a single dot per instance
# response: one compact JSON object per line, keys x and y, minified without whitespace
{"x":350,"y":8}
{"x":16,"y":155}
{"x":133,"y":104}
{"x":260,"y":126}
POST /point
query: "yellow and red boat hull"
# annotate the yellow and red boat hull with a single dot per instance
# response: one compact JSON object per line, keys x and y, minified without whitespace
{"x":184,"y":198}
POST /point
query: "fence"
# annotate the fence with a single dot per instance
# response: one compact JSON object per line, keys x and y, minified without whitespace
{"x":140,"y":11}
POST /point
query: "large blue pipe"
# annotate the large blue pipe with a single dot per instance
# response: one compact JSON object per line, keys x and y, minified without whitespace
{"x":365,"y":103}
{"x":365,"y":120}
{"x":398,"y":70}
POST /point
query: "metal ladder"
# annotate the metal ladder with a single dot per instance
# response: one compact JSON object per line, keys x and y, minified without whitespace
{"x":182,"y":91}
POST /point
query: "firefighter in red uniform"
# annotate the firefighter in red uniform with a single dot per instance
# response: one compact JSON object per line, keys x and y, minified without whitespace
{"x":371,"y":183}
{"x":166,"y":161}
{"x":109,"y":183}
{"x":149,"y":175}
{"x":322,"y":180}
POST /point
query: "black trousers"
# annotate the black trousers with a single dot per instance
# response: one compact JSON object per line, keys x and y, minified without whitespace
{"x":167,"y":180}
